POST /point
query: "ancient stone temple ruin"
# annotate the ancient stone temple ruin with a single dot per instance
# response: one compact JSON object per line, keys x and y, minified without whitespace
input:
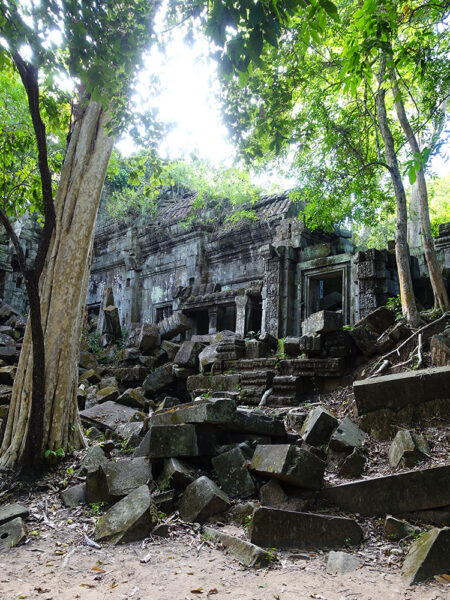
{"x":263,"y":275}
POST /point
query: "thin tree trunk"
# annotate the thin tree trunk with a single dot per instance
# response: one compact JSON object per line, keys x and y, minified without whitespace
{"x":401,"y":246}
{"x":63,"y":289}
{"x":434,"y":269}
{"x":414,"y":218}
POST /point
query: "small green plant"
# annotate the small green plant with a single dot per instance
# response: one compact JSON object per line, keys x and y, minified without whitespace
{"x":97,"y":508}
{"x":272,"y":555}
{"x":206,"y":395}
{"x":347,"y":327}
{"x":247,"y":521}
{"x":54,"y":455}
{"x":160,"y":515}
{"x":207,"y":536}
{"x":394,"y":303}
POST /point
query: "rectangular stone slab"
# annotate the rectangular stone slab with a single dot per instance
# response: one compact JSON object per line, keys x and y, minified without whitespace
{"x":394,"y":494}
{"x":172,"y":441}
{"x":246,"y":553}
{"x":271,"y":527}
{"x":108,"y":415}
{"x":401,"y":390}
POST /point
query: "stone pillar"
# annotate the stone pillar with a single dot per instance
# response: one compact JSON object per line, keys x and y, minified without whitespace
{"x":271,"y":290}
{"x":373,"y":280}
{"x":241,"y":304}
{"x":107,"y":300}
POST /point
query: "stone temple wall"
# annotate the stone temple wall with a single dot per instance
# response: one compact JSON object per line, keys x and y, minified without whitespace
{"x":266,"y":275}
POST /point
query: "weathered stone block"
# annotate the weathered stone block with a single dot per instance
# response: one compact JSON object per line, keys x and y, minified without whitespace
{"x":176,"y":474}
{"x":149,"y":338}
{"x":216,"y":412}
{"x":256,"y":349}
{"x":365,"y":339}
{"x":170,"y":348}
{"x":129,"y":520}
{"x":8,"y":512}
{"x":113,"y":481}
{"x":73,"y":496}
{"x":107,"y":394}
{"x":91,"y":377}
{"x":112,"y":322}
{"x":93,"y":459}
{"x":234,"y":476}
{"x":411,"y":388}
{"x":291,"y":346}
{"x":322,"y":321}
{"x":271,"y":494}
{"x":287,"y":529}
{"x":198,"y":382}
{"x":440,"y":349}
{"x":167,"y":403}
{"x":174,"y":325}
{"x":268,"y":339}
{"x":208,"y":357}
{"x":133,"y":397}
{"x":428,"y":556}
{"x":395,"y":529}
{"x":8,"y":354}
{"x":379,"y":320}
{"x":353,"y":465}
{"x":318,"y":426}
{"x":159,"y":379}
{"x":187,"y":355}
{"x":225,"y":382}
{"x":347,"y":436}
{"x":12,"y":534}
{"x":202,"y":499}
{"x":172,"y":441}
{"x":88,"y":360}
{"x":108,"y":415}
{"x":246,"y":553}
{"x":394,"y":494}
{"x":311,"y":345}
{"x":409,"y":448}
{"x":290,"y":464}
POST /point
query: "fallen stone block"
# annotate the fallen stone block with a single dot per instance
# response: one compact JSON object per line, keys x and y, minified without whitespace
{"x":149,"y":338}
{"x":318,"y":426}
{"x":9,"y":512}
{"x":402,"y":389}
{"x":114,"y":480}
{"x":440,"y":348}
{"x":167,"y":403}
{"x":176,"y":474}
{"x":73,"y":496}
{"x":127,"y":355}
{"x":365,"y":339}
{"x":339,"y":563}
{"x":245,"y":552}
{"x":394,"y":494}
{"x":93,"y":459}
{"x":379,"y":320}
{"x":8,"y":354}
{"x":183,"y":372}
{"x":256,"y":349}
{"x":311,"y":345}
{"x":108,"y":415}
{"x":353,"y":465}
{"x":214,"y":412}
{"x":133,"y":397}
{"x":408,"y":448}
{"x":172,"y":441}
{"x":159,"y":379}
{"x":187,"y":355}
{"x":165,"y":501}
{"x":428,"y":556}
{"x":208,"y":357}
{"x":107,"y":394}
{"x":287,"y":529}
{"x":322,"y":321}
{"x":129,"y":520}
{"x":91,"y":376}
{"x":202,"y":499}
{"x":291,"y":346}
{"x":174,"y":325}
{"x":12,"y":533}
{"x":347,"y":436}
{"x":289,"y":463}
{"x":396,"y":529}
{"x":87,"y":360}
{"x":170,"y":348}
{"x":271,"y":494}
{"x":268,"y":339}
{"x":233,"y":474}
{"x":112,"y":322}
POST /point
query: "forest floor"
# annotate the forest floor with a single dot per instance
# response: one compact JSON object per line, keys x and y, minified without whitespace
{"x":57,"y":565}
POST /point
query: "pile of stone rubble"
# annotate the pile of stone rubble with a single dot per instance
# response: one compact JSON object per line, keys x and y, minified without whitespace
{"x":173,"y":430}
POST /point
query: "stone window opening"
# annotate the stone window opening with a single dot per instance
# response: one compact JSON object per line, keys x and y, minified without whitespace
{"x":162,"y":312}
{"x":327,"y":289}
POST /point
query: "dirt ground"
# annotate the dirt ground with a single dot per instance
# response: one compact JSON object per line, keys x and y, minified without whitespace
{"x":56,"y":564}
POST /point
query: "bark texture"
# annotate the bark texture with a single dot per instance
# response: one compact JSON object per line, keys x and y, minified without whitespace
{"x":434,"y":269}
{"x":63,"y":288}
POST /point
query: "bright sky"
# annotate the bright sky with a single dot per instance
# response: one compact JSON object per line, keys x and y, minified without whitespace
{"x":187,"y":100}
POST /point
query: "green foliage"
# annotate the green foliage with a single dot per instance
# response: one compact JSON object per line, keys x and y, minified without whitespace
{"x":97,"y":508}
{"x":439,"y":193}
{"x":395,"y":304}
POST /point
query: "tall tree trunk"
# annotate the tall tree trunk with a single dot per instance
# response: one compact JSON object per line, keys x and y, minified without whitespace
{"x":434,"y":269}
{"x":63,"y":289}
{"x":401,"y":246}
{"x":414,"y":218}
